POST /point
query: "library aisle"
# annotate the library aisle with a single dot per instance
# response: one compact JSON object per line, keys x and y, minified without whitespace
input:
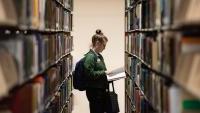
{"x":87,"y":17}
{"x":156,"y":41}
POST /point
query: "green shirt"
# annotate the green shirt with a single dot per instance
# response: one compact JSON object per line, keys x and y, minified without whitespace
{"x":95,"y":69}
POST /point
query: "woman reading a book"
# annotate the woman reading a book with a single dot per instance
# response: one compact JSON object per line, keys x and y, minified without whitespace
{"x":96,"y":72}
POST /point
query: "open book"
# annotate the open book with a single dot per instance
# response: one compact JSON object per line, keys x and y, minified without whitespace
{"x":116,"y":74}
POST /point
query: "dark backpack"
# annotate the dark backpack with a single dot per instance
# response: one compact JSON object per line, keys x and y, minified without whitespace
{"x":79,"y":77}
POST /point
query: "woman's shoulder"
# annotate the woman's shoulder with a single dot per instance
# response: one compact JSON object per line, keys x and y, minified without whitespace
{"x":90,"y":55}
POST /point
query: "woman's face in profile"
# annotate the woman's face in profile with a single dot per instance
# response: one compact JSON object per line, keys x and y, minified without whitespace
{"x":101,"y":46}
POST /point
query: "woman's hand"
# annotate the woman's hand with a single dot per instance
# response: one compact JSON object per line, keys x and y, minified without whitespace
{"x":108,"y":73}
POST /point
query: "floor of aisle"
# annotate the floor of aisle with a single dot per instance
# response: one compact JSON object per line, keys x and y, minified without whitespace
{"x":81,"y":103}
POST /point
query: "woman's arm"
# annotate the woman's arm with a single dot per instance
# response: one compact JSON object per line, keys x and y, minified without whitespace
{"x":89,"y":65}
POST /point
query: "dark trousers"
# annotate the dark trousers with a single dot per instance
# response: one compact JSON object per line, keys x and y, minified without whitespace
{"x":97,"y":100}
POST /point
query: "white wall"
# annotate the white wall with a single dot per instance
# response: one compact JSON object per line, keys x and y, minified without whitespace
{"x":107,"y":15}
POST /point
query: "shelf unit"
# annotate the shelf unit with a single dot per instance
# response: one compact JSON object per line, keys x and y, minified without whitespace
{"x":161,"y":39}
{"x":37,"y":42}
{"x":164,"y":76}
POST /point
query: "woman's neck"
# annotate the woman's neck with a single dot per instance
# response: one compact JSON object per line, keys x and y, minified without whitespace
{"x":95,"y":50}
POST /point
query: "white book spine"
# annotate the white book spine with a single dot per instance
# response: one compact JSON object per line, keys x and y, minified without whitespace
{"x":175,"y":99}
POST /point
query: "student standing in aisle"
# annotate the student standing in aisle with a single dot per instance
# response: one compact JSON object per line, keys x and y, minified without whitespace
{"x":96,"y":71}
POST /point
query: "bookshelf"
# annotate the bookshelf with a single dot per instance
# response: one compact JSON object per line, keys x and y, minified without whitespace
{"x":162,"y":52}
{"x":35,"y":56}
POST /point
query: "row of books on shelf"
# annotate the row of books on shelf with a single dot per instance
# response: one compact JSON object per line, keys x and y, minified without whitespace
{"x":140,"y":90}
{"x":63,"y":20}
{"x":158,"y":13}
{"x":139,"y":44}
{"x":66,"y":108}
{"x":36,"y":14}
{"x":24,"y":56}
{"x":62,"y":102}
{"x":149,"y":93}
{"x":129,"y":106}
{"x":173,"y":54}
{"x":166,"y":47}
{"x":46,"y":93}
{"x":136,"y":102}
